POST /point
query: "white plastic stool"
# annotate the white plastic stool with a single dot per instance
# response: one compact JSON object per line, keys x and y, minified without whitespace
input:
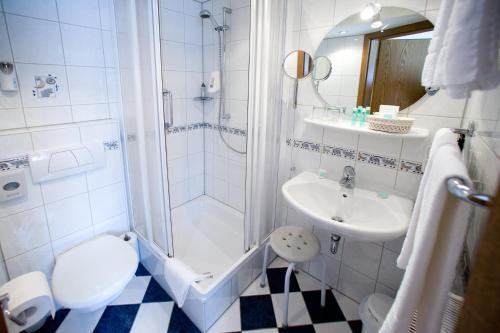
{"x":295,"y":245}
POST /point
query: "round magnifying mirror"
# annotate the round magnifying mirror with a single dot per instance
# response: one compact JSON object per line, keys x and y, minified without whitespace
{"x":298,"y":64}
{"x":322,"y":68}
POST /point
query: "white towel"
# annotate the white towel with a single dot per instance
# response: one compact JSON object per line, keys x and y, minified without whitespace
{"x":439,"y":237}
{"x":179,"y":278}
{"x":463,"y":53}
{"x":444,"y":136}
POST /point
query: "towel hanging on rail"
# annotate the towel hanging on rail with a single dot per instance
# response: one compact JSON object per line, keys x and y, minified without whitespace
{"x":464,"y":51}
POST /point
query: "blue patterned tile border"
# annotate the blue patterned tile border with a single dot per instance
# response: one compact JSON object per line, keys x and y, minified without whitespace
{"x":14,"y":163}
{"x":378,"y":160}
{"x":192,"y":127}
{"x":111,"y":145}
{"x":305,"y":145}
{"x":346,"y":153}
{"x":411,"y":167}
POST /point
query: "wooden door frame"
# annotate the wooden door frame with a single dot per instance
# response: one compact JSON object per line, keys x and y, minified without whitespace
{"x":404,"y":30}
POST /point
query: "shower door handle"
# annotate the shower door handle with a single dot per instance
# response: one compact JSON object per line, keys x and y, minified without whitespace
{"x":167,"y":95}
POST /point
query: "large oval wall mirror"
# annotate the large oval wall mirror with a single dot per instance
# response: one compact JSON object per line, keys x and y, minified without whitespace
{"x":298,"y":64}
{"x":375,"y":61}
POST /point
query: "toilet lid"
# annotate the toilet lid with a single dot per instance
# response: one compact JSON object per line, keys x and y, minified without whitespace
{"x":379,"y":305}
{"x":93,"y":271}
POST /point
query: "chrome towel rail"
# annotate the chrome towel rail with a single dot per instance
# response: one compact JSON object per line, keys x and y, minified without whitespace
{"x":457,"y":187}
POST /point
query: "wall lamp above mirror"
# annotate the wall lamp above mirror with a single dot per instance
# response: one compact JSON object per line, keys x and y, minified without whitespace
{"x":298,"y":65}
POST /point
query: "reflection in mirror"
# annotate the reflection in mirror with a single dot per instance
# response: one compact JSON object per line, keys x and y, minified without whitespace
{"x":322,"y":69}
{"x":298,"y":64}
{"x":376,"y":63}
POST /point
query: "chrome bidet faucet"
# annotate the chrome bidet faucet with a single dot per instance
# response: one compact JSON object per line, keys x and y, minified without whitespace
{"x":347,"y":181}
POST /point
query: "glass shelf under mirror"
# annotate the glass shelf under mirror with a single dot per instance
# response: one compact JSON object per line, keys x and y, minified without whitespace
{"x":415,"y":133}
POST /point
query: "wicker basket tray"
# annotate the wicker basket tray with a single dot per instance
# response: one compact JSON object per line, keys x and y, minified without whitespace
{"x":399,"y":125}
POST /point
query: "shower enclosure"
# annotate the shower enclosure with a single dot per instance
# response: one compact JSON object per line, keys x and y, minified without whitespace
{"x":192,"y":183}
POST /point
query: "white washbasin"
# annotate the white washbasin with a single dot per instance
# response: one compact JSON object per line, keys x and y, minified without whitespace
{"x":364,"y":215}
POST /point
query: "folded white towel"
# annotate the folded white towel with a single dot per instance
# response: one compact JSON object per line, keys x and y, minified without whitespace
{"x":439,"y":236}
{"x":463,"y":53}
{"x":179,"y":278}
{"x":444,"y":136}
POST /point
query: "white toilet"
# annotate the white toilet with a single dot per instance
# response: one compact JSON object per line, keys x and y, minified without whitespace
{"x":92,"y":274}
{"x":373,"y":310}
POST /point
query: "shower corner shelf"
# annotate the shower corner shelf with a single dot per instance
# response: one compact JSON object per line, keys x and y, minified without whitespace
{"x":203,"y":99}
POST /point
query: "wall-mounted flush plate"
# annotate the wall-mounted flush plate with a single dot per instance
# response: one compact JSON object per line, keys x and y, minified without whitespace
{"x":45,"y":86}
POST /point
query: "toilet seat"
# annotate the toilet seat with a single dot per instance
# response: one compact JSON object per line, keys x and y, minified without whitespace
{"x":94,"y":273}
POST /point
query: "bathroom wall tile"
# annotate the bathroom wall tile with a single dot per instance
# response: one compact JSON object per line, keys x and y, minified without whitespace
{"x":82,"y":46}
{"x":193,"y":83}
{"x":362,"y":256}
{"x":100,"y":132}
{"x":48,"y":115}
{"x":90,"y":112}
{"x":114,"y":226}
{"x":305,"y":160}
{"x":196,"y":186}
{"x":107,"y":202}
{"x":87,"y":85}
{"x":11,"y":118}
{"x":109,"y":48}
{"x":389,"y":274}
{"x":236,"y":173}
{"x":192,"y":32}
{"x":177,"y":170}
{"x":39,"y":259}
{"x":332,"y":270}
{"x":176,"y":145}
{"x":395,"y":244}
{"x":355,"y":284}
{"x":195,"y":141}
{"x":24,"y":231}
{"x":298,"y":219}
{"x":171,"y":25}
{"x":382,"y":289}
{"x":175,"y":5}
{"x":194,"y":110}
{"x":240,"y":21}
{"x":239,"y":55}
{"x":3,"y":273}
{"x":179,"y":194}
{"x":175,"y":82}
{"x":79,"y":12}
{"x":375,"y":177}
{"x":32,"y":199}
{"x":237,"y":197}
{"x":380,"y":145}
{"x":62,"y":188}
{"x":196,"y":164}
{"x":194,"y":58}
{"x":408,"y":184}
{"x":173,"y":56}
{"x":49,"y":139}
{"x":63,"y":244}
{"x":15,"y":145}
{"x":111,"y":174}
{"x":192,"y":7}
{"x":27,"y":34}
{"x":69,"y":215}
{"x":44,"y":9}
{"x":334,"y":166}
{"x":26,"y":75}
{"x":317,"y":13}
{"x":5,"y":50}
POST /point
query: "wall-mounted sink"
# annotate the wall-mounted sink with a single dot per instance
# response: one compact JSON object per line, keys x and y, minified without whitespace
{"x":357,"y":213}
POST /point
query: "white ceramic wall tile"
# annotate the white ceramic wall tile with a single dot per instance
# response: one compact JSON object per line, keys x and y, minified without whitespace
{"x":44,"y":9}
{"x":383,"y":289}
{"x":47,"y":115}
{"x":48,"y":139}
{"x":68,"y":216}
{"x":175,"y":5}
{"x":111,"y":174}
{"x":11,"y":118}
{"x":3,"y":273}
{"x":63,"y":244}
{"x":332,"y":269}
{"x":39,"y":259}
{"x":62,"y":188}
{"x":22,"y":232}
{"x":362,"y":256}
{"x":192,"y":30}
{"x":240,"y":21}
{"x":79,"y":12}
{"x":172,"y":26}
{"x":87,"y":85}
{"x":26,"y":75}
{"x":115,"y":226}
{"x":173,"y":56}
{"x":389,"y":274}
{"x":317,"y":13}
{"x":15,"y":145}
{"x":107,"y":14}
{"x":90,"y":112}
{"x":5,"y":51}
{"x":107,"y":202}
{"x":355,"y":284}
{"x":28,"y":34}
{"x":82,"y":46}
{"x":375,"y":177}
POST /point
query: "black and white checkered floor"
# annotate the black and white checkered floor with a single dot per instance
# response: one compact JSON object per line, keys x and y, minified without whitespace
{"x":144,"y":307}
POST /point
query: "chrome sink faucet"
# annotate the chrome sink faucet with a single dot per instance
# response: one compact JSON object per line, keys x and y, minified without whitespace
{"x":347,"y":181}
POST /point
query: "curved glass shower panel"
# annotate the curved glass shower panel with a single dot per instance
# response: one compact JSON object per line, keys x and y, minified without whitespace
{"x":206,"y":44}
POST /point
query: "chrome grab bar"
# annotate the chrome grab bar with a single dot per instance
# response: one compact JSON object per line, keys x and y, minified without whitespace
{"x":457,"y":187}
{"x":4,"y":300}
{"x":168,"y":94}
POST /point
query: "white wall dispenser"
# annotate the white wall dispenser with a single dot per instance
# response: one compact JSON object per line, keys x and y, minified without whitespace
{"x":12,"y":185}
{"x":62,"y":162}
{"x":8,"y":79}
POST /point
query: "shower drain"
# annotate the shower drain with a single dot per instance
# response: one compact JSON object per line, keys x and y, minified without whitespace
{"x":337,"y":219}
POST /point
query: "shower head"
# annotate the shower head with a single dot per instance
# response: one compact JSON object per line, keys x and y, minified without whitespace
{"x":205,"y":14}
